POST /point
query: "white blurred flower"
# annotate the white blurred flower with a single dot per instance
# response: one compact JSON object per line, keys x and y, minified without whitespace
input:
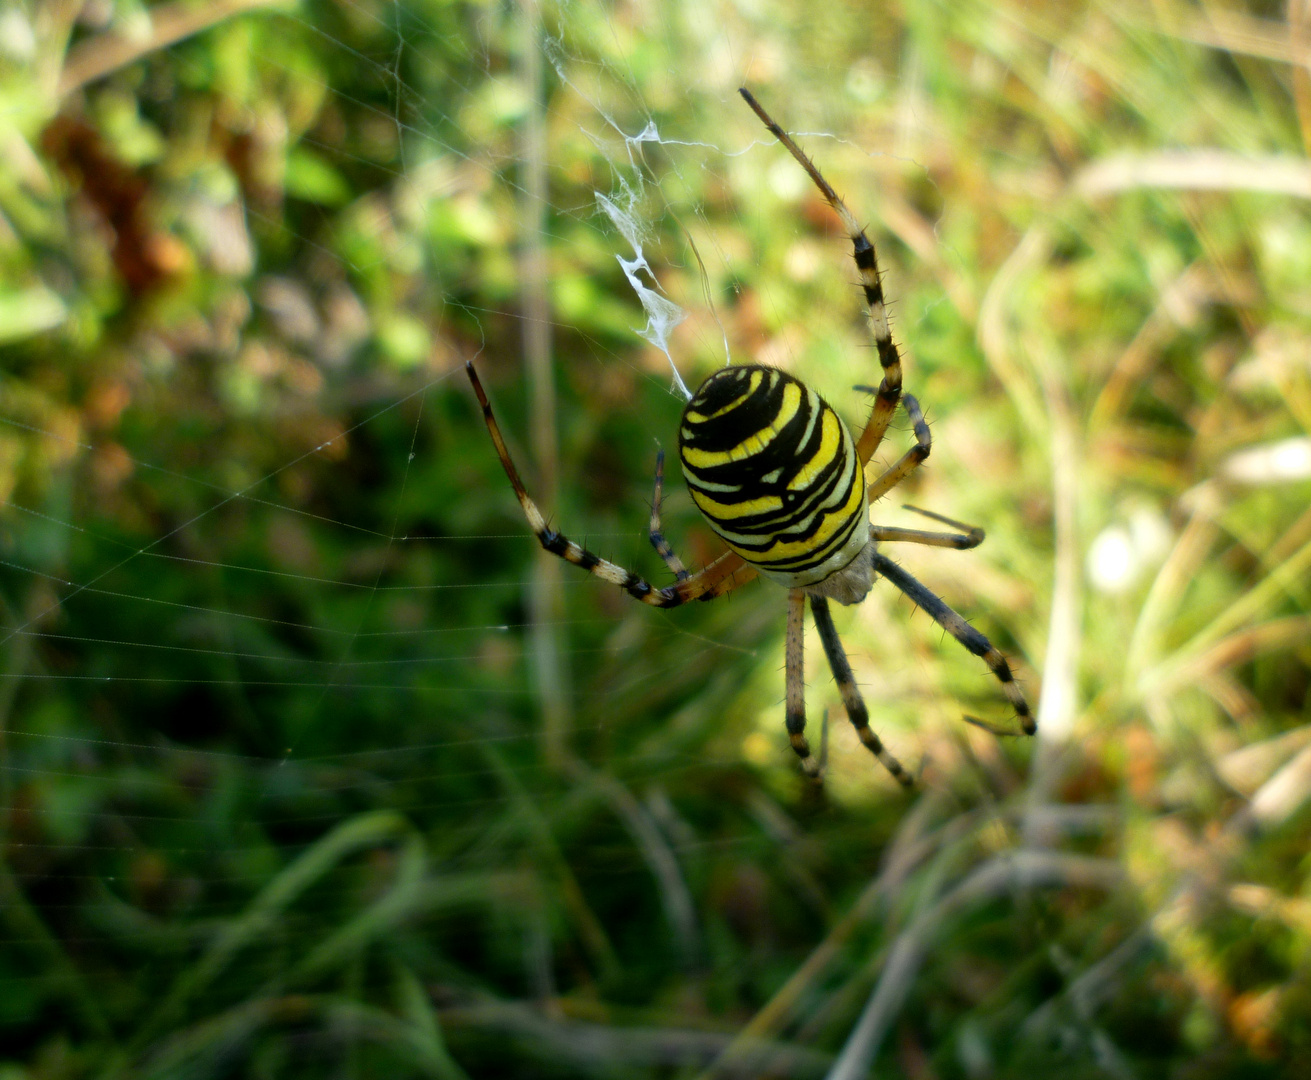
{"x":1111,"y":560}
{"x":17,"y":38}
{"x":1270,"y":463}
{"x":1122,"y":552}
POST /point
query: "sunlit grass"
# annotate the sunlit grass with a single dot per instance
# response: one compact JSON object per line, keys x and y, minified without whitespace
{"x":277,"y":798}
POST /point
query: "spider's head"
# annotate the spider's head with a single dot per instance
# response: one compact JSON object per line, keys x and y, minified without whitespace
{"x":852,"y":583}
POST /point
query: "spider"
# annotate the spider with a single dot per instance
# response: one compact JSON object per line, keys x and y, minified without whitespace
{"x":778,"y":476}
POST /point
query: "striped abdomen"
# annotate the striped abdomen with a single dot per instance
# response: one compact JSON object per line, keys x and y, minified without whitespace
{"x":774,"y":470}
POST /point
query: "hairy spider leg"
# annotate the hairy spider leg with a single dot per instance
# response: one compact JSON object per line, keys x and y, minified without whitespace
{"x":911,"y":460}
{"x":889,"y":391}
{"x":658,"y":541}
{"x":855,"y":704}
{"x":722,"y":576}
{"x":970,"y":536}
{"x":963,"y":632}
{"x":795,"y":662}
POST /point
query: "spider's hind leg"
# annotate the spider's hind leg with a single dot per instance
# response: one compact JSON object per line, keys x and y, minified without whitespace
{"x":837,"y":660}
{"x":963,"y":632}
{"x":722,"y":576}
{"x":871,"y":281}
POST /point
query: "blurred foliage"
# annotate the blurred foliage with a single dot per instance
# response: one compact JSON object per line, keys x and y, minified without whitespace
{"x":276,"y":800}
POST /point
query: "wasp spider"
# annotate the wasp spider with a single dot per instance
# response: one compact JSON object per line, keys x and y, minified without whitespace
{"x":778,"y":476}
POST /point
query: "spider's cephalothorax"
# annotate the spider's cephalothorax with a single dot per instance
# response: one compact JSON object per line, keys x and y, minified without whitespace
{"x":775,"y":472}
{"x":779,"y":477}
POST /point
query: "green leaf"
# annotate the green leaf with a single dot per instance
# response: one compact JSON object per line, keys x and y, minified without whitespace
{"x":311,"y":178}
{"x":29,"y":312}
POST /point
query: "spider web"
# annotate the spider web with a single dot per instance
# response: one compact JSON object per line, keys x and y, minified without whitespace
{"x":198,"y":637}
{"x":624,"y":218}
{"x":301,"y":734}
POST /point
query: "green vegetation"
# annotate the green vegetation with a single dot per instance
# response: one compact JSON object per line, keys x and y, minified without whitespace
{"x":290,"y":785}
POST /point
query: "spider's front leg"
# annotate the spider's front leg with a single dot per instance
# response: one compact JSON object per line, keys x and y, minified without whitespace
{"x":963,"y":632}
{"x":856,"y":711}
{"x":796,"y":681}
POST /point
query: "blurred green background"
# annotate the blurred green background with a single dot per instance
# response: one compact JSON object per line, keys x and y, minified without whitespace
{"x":314,"y":765}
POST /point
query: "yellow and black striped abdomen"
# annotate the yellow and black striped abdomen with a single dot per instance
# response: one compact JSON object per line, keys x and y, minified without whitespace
{"x":774,"y":470}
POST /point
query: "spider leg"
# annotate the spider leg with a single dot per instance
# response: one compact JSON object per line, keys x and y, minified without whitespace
{"x":963,"y":632}
{"x":722,"y":576}
{"x":889,"y":391}
{"x":658,"y":540}
{"x":729,"y":571}
{"x":796,"y":682}
{"x":912,"y":459}
{"x":837,"y":660}
{"x":970,"y":536}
